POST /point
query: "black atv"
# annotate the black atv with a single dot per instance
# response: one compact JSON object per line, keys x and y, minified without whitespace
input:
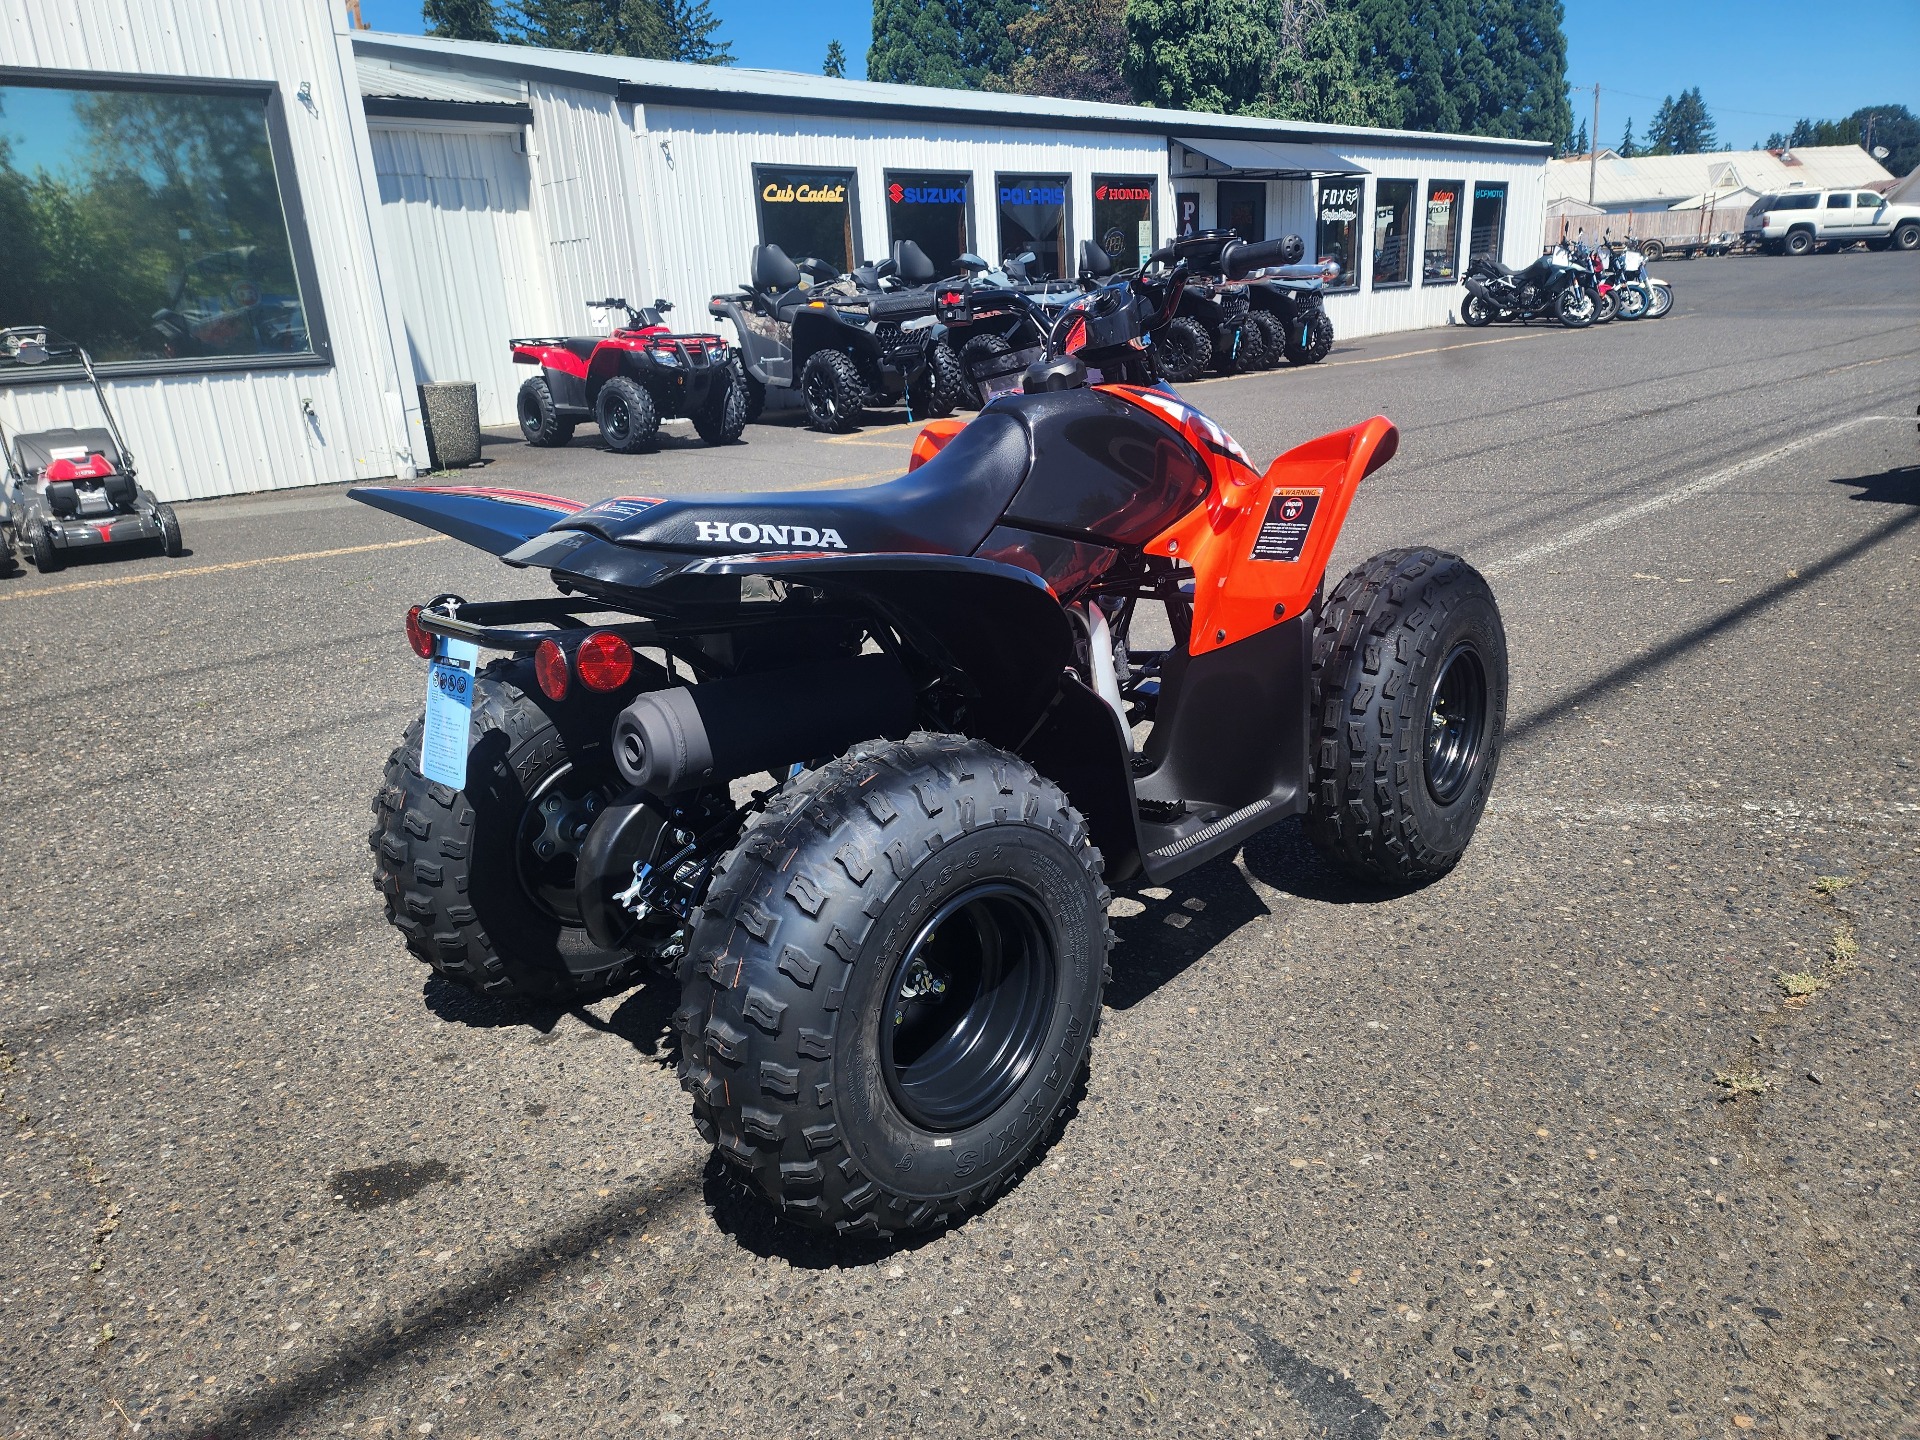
{"x":991,"y":326}
{"x":846,"y":342}
{"x":1289,"y":305}
{"x":857,"y":767}
{"x":1215,"y":330}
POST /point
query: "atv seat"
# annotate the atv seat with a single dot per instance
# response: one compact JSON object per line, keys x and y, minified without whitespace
{"x":911,"y":264}
{"x":945,"y":507}
{"x":581,"y":345}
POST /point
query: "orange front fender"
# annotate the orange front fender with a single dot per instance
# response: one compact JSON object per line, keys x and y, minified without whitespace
{"x":1259,"y":547}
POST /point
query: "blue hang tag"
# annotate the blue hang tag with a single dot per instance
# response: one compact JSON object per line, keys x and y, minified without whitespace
{"x":443,"y":743}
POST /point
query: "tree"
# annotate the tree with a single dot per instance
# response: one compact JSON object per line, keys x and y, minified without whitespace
{"x":958,"y":43}
{"x":1324,"y":77}
{"x":1486,"y":67}
{"x":1076,"y":49}
{"x":1775,"y":141}
{"x":1891,"y":127}
{"x":1682,"y":126}
{"x":643,"y":29}
{"x":1199,"y":54}
{"x":461,"y":19}
{"x":835,"y":66}
{"x":1581,"y":142}
{"x":1625,"y":150}
{"x":1802,"y":134}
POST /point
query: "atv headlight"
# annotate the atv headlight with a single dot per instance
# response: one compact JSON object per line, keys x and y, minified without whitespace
{"x":666,"y":357}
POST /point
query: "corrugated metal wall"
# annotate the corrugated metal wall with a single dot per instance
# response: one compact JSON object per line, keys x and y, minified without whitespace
{"x":222,"y":433}
{"x":586,"y":203}
{"x":1366,"y":311}
{"x":457,"y":210}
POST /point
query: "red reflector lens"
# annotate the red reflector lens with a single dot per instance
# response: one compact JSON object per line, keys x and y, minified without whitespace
{"x":550,"y":669}
{"x":604,"y":660}
{"x":417,"y":635}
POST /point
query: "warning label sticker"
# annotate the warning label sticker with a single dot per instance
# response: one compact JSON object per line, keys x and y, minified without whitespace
{"x":1283,"y":534}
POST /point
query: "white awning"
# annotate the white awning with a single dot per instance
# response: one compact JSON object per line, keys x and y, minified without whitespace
{"x":1264,"y":159}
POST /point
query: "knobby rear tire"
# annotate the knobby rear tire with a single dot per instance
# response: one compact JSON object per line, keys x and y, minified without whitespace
{"x":1384,"y":637}
{"x":1311,"y":341}
{"x":540,"y":420}
{"x":723,"y":417}
{"x":446,"y":859}
{"x":1182,"y":350}
{"x":794,"y":960}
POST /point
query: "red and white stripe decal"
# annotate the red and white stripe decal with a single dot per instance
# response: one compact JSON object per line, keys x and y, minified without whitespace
{"x":512,"y":497}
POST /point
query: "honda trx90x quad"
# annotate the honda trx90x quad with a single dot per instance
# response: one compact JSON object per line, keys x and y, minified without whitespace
{"x":629,"y":381}
{"x":891,"y":945}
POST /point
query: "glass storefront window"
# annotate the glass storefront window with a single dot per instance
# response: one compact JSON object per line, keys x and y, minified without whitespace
{"x":1123,"y":223}
{"x":808,"y":212}
{"x":1488,"y":233}
{"x":1242,"y":207}
{"x":1441,"y":265}
{"x":1336,"y":231}
{"x":1392,"y":233}
{"x":149,"y":224}
{"x":931,"y":209}
{"x":1033,"y":216}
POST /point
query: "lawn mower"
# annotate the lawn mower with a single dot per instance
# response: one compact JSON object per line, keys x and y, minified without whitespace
{"x":73,"y":490}
{"x":629,"y":381}
{"x":856,"y":768}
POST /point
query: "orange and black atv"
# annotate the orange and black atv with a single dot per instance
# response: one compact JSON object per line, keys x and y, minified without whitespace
{"x":629,"y":381}
{"x":857,"y":767}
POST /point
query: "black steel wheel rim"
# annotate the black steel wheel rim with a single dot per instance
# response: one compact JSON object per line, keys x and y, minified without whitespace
{"x":529,"y":414}
{"x":1456,"y":724}
{"x":546,"y":849}
{"x":619,"y":420}
{"x":820,"y":394}
{"x":967,"y":1008}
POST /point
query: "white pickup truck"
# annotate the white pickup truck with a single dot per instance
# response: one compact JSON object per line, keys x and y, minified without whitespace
{"x":1797,"y":222}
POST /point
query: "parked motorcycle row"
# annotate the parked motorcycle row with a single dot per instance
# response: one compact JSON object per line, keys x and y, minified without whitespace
{"x":896,"y":333}
{"x":1578,"y":285}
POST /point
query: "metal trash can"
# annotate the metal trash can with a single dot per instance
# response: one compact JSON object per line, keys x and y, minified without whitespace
{"x":451,"y":412}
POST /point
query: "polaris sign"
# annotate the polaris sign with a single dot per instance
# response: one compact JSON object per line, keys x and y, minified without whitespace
{"x":1033,"y":195}
{"x":900,"y":194}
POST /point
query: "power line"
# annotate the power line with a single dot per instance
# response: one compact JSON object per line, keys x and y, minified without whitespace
{"x":1716,"y":109}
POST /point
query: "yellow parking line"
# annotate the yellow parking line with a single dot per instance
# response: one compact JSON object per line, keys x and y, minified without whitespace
{"x":216,"y":569}
{"x":1372,"y":359}
{"x":867,"y":440}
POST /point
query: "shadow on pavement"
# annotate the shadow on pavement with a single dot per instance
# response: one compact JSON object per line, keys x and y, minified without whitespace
{"x":1889,"y":487}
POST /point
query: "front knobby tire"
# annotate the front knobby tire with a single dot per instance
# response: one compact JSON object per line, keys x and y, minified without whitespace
{"x":463,"y":872}
{"x":857,"y":1088}
{"x":1273,"y":335}
{"x":1409,"y":710}
{"x":834,"y":393}
{"x":628,"y":417}
{"x":1182,"y":350}
{"x":1310,"y":339}
{"x":723,"y":418}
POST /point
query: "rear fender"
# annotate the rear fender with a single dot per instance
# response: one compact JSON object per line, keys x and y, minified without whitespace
{"x":483,"y":516}
{"x":549,"y":357}
{"x":1259,"y":546}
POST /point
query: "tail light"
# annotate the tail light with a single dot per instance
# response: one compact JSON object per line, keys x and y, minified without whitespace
{"x":417,"y":635}
{"x":550,"y":669}
{"x":604,"y":661}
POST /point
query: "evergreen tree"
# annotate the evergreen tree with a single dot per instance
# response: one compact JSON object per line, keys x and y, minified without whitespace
{"x":1076,"y":49}
{"x":1325,"y":77}
{"x":1581,"y":142}
{"x":835,"y":67}
{"x":461,"y":19}
{"x":958,"y":43}
{"x":1891,"y":127}
{"x":1625,"y":149}
{"x":1199,"y":54}
{"x":1802,"y":134}
{"x":1775,"y":141}
{"x":642,"y":29}
{"x":1662,"y":123}
{"x":1488,"y":67}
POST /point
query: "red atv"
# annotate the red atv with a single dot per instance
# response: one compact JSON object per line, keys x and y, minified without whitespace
{"x":629,"y":381}
{"x":857,"y":767}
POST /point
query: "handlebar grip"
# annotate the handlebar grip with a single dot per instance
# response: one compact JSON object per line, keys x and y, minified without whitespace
{"x":1238,"y":260}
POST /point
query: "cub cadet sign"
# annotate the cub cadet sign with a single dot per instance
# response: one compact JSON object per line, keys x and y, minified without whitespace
{"x":835,"y":194}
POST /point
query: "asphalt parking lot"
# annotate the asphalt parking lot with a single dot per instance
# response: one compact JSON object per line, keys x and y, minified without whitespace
{"x":1611,"y":1132}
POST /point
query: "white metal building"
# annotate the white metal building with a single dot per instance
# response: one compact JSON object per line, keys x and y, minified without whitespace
{"x":517,"y":185}
{"x":307,"y":222}
{"x":336,"y":401}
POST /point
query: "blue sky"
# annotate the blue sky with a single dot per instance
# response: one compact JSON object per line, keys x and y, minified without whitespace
{"x":1759,"y":63}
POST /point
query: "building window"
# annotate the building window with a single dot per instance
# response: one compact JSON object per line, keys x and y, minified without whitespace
{"x":154,"y":221}
{"x":807,"y":212}
{"x":1033,"y":217}
{"x":1336,"y":232}
{"x":1242,"y":208}
{"x":931,"y":208}
{"x":1123,"y":222}
{"x":1393,"y":233}
{"x":1441,"y":265}
{"x":1488,"y":235}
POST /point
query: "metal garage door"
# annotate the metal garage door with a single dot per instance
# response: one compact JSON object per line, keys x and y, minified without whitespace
{"x":461,"y":235}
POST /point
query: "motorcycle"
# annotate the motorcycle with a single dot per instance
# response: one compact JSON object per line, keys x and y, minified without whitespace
{"x":1555,"y":284}
{"x":856,"y":768}
{"x":1599,"y":283}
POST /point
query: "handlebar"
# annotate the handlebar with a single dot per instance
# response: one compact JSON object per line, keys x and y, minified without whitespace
{"x":1241,"y":259}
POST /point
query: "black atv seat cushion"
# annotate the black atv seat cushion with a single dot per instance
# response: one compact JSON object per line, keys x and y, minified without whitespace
{"x":773,"y":272}
{"x":911,"y":264}
{"x":1094,"y":260}
{"x":36,"y":451}
{"x":946,"y":507}
{"x":583,"y":345}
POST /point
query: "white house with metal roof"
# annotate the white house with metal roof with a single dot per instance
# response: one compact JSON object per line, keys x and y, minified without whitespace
{"x":517,"y":185}
{"x":1615,"y":184}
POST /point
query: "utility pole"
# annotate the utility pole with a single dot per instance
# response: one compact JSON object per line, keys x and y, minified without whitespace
{"x":1593,"y":155}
